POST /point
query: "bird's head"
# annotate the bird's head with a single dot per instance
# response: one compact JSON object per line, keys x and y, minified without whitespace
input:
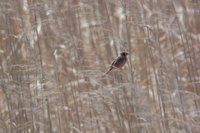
{"x":123,"y":53}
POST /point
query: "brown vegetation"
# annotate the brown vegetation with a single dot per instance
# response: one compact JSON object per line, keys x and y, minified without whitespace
{"x":54,"y":54}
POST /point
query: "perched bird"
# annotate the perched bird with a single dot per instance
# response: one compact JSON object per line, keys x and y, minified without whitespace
{"x":119,"y":61}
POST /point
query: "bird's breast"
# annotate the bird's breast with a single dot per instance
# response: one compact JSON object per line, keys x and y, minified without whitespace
{"x":120,"y":62}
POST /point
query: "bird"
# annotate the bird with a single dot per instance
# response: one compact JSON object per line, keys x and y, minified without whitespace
{"x":119,"y":62}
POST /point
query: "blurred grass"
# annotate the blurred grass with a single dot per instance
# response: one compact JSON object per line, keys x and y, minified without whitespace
{"x":53,"y":56}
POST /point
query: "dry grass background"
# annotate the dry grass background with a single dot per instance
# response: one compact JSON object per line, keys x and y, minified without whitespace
{"x":53,"y":54}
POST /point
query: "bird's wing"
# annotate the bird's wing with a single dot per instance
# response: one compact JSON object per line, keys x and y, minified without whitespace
{"x":115,"y":61}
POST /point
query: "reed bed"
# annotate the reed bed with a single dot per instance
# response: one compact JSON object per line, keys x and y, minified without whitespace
{"x":54,"y":55}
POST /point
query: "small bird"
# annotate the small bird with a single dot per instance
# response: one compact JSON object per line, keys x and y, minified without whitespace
{"x":119,"y":61}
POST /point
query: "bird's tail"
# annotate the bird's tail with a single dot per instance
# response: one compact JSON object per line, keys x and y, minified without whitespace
{"x":109,"y":70}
